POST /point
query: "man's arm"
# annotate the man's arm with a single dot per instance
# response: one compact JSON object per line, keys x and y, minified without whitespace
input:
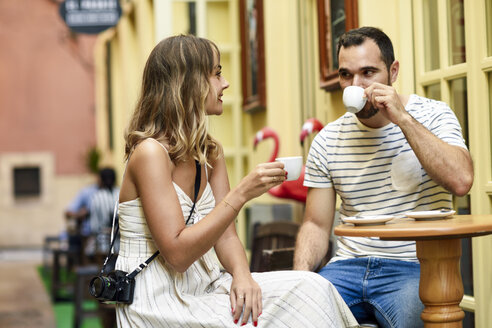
{"x":449,"y":166}
{"x":314,"y":235}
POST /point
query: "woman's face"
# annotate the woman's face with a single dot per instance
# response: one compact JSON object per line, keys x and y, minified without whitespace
{"x":213,"y":103}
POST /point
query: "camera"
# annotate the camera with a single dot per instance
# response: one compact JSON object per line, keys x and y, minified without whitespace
{"x":116,"y":286}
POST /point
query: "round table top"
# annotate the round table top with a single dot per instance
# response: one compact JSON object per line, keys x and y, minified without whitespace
{"x":456,"y":226}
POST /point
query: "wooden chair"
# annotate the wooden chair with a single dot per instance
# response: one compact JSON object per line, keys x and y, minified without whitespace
{"x":273,"y":247}
{"x":278,"y":259}
{"x":63,"y":262}
{"x":105,"y":312}
{"x":81,"y":293}
{"x":272,"y":236}
{"x":50,"y":243}
{"x":283,"y":259}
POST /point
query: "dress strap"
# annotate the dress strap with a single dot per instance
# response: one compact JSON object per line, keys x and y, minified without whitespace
{"x":206,"y":169}
{"x":159,"y":144}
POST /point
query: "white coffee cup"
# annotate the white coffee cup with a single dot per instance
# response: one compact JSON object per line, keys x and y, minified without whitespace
{"x":353,"y":98}
{"x":293,"y":166}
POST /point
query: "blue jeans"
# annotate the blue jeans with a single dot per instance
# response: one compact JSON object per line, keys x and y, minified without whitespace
{"x":379,"y":290}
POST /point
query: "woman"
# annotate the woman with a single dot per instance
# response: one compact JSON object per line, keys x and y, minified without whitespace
{"x":183,"y":287}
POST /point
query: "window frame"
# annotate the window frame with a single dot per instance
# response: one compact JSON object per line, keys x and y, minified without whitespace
{"x":252,"y":101}
{"x":328,"y":76}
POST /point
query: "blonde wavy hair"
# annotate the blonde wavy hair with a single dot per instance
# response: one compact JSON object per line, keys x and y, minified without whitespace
{"x":171,"y":105}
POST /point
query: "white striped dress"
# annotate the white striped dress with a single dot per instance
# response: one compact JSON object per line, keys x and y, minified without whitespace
{"x":199,"y":297}
{"x":375,"y":172}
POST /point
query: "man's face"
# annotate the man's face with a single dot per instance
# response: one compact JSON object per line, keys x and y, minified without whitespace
{"x":362,"y":66}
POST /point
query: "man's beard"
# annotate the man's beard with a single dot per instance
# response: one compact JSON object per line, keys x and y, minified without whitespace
{"x":367,"y":113}
{"x":371,"y":111}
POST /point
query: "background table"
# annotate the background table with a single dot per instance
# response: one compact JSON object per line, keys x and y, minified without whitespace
{"x":439,"y":252}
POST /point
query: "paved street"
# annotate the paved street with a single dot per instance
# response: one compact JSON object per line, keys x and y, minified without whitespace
{"x":24,"y":301}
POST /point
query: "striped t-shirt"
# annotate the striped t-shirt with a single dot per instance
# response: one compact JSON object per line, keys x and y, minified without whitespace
{"x":375,"y":172}
{"x":102,"y":207}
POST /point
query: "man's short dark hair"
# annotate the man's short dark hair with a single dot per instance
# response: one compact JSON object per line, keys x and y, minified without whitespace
{"x":357,"y":36}
{"x":107,"y":178}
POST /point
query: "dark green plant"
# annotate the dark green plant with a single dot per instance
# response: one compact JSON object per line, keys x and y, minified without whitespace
{"x":93,"y":158}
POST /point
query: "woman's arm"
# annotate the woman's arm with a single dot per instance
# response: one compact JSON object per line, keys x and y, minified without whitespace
{"x":230,"y":251}
{"x":150,"y":171}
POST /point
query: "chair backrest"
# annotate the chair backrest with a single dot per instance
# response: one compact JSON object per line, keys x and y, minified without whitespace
{"x":271,"y":236}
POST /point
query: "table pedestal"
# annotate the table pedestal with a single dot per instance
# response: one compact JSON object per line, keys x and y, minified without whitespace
{"x":441,"y":287}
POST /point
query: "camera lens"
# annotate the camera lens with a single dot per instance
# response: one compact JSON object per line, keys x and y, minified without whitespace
{"x":103,"y":288}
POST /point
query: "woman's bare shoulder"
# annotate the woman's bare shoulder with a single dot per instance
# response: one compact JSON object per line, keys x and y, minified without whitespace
{"x":150,"y":152}
{"x":148,"y":162}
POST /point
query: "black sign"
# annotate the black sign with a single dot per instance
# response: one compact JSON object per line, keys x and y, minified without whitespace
{"x":90,"y":16}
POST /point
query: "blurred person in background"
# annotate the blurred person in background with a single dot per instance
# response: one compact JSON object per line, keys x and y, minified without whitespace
{"x":101,"y":209}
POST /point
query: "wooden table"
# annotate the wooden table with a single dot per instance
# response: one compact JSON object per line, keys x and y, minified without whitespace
{"x":439,"y":251}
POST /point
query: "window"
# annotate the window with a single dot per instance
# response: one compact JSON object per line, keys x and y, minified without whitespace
{"x":187,"y":24}
{"x":334,"y":18}
{"x":489,"y":27}
{"x":27,"y":178}
{"x":26,"y":182}
{"x":252,"y":54}
{"x":431,"y":36}
{"x":433,"y":91}
{"x":453,"y":42}
{"x":456,"y":26}
{"x":109,"y":96}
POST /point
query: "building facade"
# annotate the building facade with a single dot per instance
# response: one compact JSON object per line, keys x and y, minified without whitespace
{"x":47,"y":119}
{"x":277,"y":56}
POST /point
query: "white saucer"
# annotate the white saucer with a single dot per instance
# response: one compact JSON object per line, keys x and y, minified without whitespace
{"x":429,"y":215}
{"x":367,"y":220}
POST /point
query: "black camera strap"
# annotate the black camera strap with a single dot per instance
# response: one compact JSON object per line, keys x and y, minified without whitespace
{"x":143,"y":265}
{"x":198,"y":178}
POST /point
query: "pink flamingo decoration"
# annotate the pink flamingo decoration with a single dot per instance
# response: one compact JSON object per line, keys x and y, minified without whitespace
{"x":289,"y":189}
{"x":311,"y":125}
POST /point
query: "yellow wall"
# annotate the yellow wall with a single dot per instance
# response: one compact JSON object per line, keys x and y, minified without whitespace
{"x":287,"y":24}
{"x":130,"y":44}
{"x":292,"y":84}
{"x":291,"y":60}
{"x":397,"y":24}
{"x":283,"y":53}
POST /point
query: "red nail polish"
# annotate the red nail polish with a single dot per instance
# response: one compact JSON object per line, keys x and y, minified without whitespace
{"x":255,"y":323}
{"x":243,"y":323}
{"x":235,"y":321}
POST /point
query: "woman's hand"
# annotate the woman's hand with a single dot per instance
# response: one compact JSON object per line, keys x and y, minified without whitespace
{"x":245,"y":299}
{"x":261,"y":179}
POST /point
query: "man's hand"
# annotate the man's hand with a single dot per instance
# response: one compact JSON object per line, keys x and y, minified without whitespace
{"x":386,"y":99}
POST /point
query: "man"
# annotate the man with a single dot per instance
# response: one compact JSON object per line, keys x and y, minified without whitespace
{"x":103,"y":201}
{"x":76,"y":214}
{"x":83,"y":216}
{"x":399,"y":153}
{"x":101,"y":211}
